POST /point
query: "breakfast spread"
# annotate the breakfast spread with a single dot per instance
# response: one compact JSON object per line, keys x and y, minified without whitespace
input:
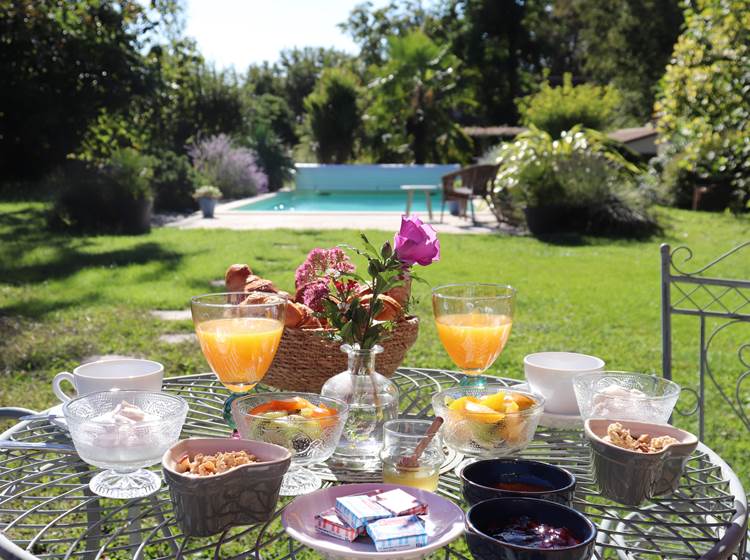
{"x":524,"y":531}
{"x":208,"y":465}
{"x":391,"y":519}
{"x":620,"y":436}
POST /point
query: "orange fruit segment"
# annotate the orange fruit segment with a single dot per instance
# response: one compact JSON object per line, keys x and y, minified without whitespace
{"x":286,"y":405}
{"x":495,"y":402}
{"x":481,"y":413}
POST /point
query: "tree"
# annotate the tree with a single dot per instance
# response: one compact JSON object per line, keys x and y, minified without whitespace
{"x":370,"y":27}
{"x":703,"y":104}
{"x":489,"y":38}
{"x":62,"y":64}
{"x":415,"y":100}
{"x":628,"y":44}
{"x":334,"y":117}
{"x":301,"y":69}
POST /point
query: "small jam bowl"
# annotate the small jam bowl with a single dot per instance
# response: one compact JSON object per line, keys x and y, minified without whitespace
{"x":206,"y":505}
{"x":551,"y":375}
{"x":480,"y":480}
{"x":488,"y":517}
{"x":629,"y":396}
{"x":630,"y":477}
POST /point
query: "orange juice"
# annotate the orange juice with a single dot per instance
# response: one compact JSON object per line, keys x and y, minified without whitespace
{"x":474,"y":340}
{"x":240,"y":349}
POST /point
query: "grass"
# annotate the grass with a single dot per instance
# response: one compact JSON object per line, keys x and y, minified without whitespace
{"x":65,"y":297}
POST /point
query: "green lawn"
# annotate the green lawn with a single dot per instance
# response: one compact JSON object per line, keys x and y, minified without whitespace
{"x":65,"y":297}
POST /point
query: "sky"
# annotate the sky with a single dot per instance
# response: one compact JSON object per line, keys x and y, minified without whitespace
{"x":242,"y":32}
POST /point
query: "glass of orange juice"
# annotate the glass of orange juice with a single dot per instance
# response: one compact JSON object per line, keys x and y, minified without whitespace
{"x":473,"y":322}
{"x":239,"y":334}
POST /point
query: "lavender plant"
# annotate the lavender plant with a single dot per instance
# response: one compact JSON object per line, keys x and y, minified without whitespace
{"x":231,"y":168}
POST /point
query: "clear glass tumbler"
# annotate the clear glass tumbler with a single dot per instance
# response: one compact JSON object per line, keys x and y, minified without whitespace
{"x":401,"y":438}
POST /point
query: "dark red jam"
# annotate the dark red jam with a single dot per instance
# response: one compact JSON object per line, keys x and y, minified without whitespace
{"x":521,"y":487}
{"x":524,"y":531}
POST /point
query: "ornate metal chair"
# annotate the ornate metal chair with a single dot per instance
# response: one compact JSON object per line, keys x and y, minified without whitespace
{"x":476,"y":182}
{"x":722,"y":308}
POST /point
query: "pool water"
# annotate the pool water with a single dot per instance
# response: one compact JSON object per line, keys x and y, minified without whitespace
{"x":294,"y":201}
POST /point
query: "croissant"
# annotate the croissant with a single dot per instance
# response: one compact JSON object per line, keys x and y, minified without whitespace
{"x":310,"y":322}
{"x":391,"y":311}
{"x":296,"y":314}
{"x":236,"y":277}
{"x":258,"y":284}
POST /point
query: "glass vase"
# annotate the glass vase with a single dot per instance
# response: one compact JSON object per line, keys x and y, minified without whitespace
{"x":372,"y":400}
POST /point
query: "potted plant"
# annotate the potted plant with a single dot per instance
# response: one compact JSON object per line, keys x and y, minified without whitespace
{"x":562,"y":185}
{"x":207,"y":196}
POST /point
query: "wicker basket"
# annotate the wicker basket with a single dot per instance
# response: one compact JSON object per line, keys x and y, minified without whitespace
{"x":305,"y":359}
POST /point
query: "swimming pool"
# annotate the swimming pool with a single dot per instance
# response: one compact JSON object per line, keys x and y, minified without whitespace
{"x":296,"y":201}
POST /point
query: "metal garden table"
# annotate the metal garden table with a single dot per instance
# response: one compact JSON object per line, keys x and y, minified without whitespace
{"x":47,"y":511}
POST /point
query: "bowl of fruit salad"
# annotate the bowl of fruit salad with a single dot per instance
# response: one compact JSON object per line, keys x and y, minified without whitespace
{"x":306,"y":424}
{"x":489,"y":421}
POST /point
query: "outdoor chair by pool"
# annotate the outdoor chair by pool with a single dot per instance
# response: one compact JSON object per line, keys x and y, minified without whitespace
{"x":475,"y":182}
{"x":722,"y":308}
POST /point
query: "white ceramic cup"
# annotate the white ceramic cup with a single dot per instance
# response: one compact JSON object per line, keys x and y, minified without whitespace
{"x":105,"y":375}
{"x":551,"y":374}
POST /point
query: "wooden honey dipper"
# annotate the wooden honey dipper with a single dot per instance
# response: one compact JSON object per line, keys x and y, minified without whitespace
{"x":412,"y":461}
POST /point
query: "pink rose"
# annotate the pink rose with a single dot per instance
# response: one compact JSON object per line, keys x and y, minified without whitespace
{"x":416,"y":242}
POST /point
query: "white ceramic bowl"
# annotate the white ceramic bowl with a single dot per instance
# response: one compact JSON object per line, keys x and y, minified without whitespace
{"x":551,"y":375}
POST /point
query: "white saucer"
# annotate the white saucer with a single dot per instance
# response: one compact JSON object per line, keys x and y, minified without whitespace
{"x":552,"y":420}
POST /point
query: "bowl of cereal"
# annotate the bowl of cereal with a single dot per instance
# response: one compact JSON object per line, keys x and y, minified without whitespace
{"x":634,"y":461}
{"x":217,"y":483}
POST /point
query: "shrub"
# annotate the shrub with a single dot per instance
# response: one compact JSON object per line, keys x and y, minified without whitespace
{"x":703,"y":108}
{"x":174,"y":182}
{"x":555,"y":109}
{"x":273,"y":156}
{"x":233,"y":169}
{"x":583,"y":171}
{"x":112,"y":197}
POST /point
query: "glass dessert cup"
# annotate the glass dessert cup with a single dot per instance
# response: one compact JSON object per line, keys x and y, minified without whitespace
{"x":473,"y":322}
{"x":239,"y":334}
{"x":311,"y":437}
{"x":124,"y":446}
{"x":626,"y":396}
{"x":401,"y":438}
{"x":482,"y":428}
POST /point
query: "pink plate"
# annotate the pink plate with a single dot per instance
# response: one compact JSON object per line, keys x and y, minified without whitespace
{"x":444,"y":523}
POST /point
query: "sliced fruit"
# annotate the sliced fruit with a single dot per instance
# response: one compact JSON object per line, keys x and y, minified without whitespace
{"x":496,"y":401}
{"x":511,"y":407}
{"x":460,"y":403}
{"x":481,"y":413}
{"x":522,"y":400}
{"x":289,"y":405}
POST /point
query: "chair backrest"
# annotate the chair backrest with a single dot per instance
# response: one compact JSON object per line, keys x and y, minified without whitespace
{"x":721,"y":306}
{"x":478,"y":178}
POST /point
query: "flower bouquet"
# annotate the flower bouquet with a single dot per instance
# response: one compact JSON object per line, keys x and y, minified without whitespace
{"x":333,"y":304}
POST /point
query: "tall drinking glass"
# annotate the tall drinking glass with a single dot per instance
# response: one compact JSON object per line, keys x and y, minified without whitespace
{"x":238,"y":339}
{"x":473,"y":322}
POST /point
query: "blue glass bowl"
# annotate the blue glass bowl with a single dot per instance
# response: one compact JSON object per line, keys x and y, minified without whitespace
{"x":480,"y":479}
{"x":486,"y":518}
